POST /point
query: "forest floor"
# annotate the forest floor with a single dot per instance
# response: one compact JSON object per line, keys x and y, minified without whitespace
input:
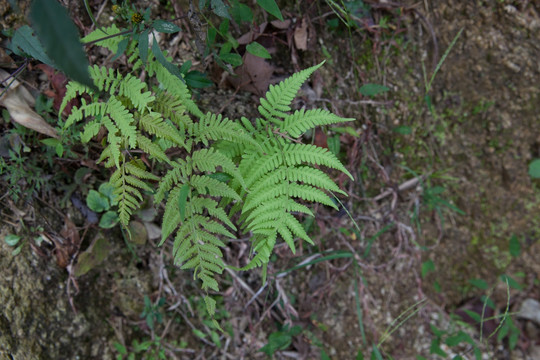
{"x":442,"y":224}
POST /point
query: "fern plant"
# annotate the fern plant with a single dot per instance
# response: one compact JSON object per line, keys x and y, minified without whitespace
{"x":234,"y":175}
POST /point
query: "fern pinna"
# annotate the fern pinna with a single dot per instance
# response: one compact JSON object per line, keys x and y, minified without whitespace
{"x":260,"y":171}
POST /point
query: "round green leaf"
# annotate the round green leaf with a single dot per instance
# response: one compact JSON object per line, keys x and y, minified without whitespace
{"x":165,"y":26}
{"x":97,"y":202}
{"x":12,"y":239}
{"x":108,"y":220}
{"x":373,"y":89}
{"x":534,"y":169}
{"x":258,"y":50}
{"x":231,"y":58}
{"x":271,"y":7}
{"x":403,"y":130}
{"x":107,"y":190}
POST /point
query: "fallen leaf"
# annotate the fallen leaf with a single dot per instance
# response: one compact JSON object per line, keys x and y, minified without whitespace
{"x":58,"y":84}
{"x":139,"y":234}
{"x":253,"y":75}
{"x":17,"y":100}
{"x":92,"y":257}
{"x":301,"y":35}
{"x":282,"y":25}
{"x":252,"y":35}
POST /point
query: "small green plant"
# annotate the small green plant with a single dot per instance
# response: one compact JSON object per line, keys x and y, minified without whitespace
{"x":254,"y":170}
{"x":148,"y":349}
{"x":281,"y":339}
{"x":152,"y":313}
{"x":102,"y":201}
{"x":534,"y":169}
{"x":18,"y":242}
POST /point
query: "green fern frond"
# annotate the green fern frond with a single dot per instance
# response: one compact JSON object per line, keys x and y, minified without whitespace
{"x":134,"y":89}
{"x":301,"y":121}
{"x":90,"y":130}
{"x":112,"y":151}
{"x":196,"y":247}
{"x":271,"y":208}
{"x":126,"y":181}
{"x":110,"y":43}
{"x":305,"y":174}
{"x":173,"y":85}
{"x":296,"y":154}
{"x":278,"y":99}
{"x":201,"y":204}
{"x":208,"y":160}
{"x":146,"y":145}
{"x":123,"y":120}
{"x":171,"y":107}
{"x":153,"y":124}
{"x":209,"y":186}
{"x":73,"y":89}
{"x":171,"y":216}
{"x":178,"y":174}
{"x":105,"y":79}
{"x":76,"y":115}
{"x":305,"y":192}
{"x":263,"y":244}
{"x":215,"y":127}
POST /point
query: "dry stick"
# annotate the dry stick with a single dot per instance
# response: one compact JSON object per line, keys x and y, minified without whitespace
{"x":409,"y":184}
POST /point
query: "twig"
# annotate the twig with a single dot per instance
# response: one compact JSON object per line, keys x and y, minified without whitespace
{"x":409,"y":184}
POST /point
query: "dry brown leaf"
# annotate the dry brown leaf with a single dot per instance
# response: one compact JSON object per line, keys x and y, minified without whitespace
{"x":253,"y":75}
{"x":17,"y":99}
{"x":282,"y":25}
{"x":252,"y":35}
{"x":301,"y":35}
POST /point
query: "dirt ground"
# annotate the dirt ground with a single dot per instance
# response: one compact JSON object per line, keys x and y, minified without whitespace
{"x":418,"y":248}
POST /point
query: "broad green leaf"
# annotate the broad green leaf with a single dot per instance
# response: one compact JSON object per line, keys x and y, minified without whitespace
{"x":403,"y":130}
{"x":534,"y":169}
{"x":215,"y":338}
{"x":109,"y":220}
{"x":458,"y":338}
{"x":224,"y":27}
{"x":258,"y":50}
{"x":334,"y":144}
{"x":25,"y":40}
{"x":427,"y":267}
{"x":12,"y":239}
{"x":173,"y":69}
{"x":17,"y":250}
{"x":182,"y":199}
{"x":107,"y":190}
{"x":122,"y":46}
{"x":220,"y":9}
{"x":60,"y":38}
{"x":515,"y":246}
{"x":231,"y":58}
{"x":165,"y":27}
{"x":185,"y":67}
{"x":241,"y":12}
{"x":511,"y":282}
{"x":373,"y":89}
{"x":197,"y":80}
{"x":143,"y":45}
{"x":271,"y":7}
{"x":92,"y":257}
{"x":120,"y":348}
{"x":96,"y":201}
{"x":479,"y":283}
{"x":199,"y":333}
